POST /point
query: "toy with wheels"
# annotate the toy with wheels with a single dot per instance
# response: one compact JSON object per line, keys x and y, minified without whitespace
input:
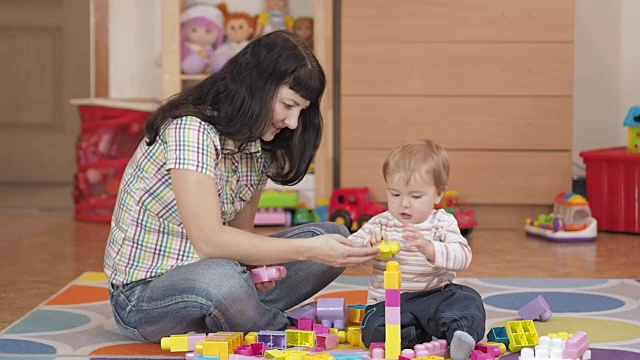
{"x":463,"y":213}
{"x":570,"y":221}
{"x":353,"y":207}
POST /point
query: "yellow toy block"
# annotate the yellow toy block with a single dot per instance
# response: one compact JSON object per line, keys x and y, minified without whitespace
{"x":388,"y":249}
{"x":294,"y":354}
{"x":251,"y":338}
{"x":213,"y":348}
{"x":274,"y":354}
{"x":355,"y":315}
{"x":354,"y":336}
{"x":392,"y":343}
{"x":392,"y":277}
{"x":319,"y":356}
{"x":175,"y":343}
{"x":562,"y":335}
{"x":305,"y":338}
{"x":522,"y":334}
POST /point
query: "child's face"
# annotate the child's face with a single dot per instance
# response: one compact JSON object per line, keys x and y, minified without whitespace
{"x":413,"y":202}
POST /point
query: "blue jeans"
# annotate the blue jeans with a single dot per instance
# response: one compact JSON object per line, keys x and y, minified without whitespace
{"x":219,"y":295}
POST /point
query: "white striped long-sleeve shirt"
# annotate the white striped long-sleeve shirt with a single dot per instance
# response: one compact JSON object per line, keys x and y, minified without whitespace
{"x":452,"y":253}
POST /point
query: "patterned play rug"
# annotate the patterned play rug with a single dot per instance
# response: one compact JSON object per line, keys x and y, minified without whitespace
{"x":77,"y":323}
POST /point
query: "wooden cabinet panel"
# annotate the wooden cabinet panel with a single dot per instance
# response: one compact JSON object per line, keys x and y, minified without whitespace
{"x":543,"y":123}
{"x":483,"y":177}
{"x":459,"y":20}
{"x":457,"y":69}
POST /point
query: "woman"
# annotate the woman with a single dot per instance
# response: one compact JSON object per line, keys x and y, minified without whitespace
{"x":180,"y":240}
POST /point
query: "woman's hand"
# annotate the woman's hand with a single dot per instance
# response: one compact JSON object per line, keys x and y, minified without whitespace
{"x":338,"y":251}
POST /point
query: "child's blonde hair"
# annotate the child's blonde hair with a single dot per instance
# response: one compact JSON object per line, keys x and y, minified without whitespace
{"x":418,"y":157}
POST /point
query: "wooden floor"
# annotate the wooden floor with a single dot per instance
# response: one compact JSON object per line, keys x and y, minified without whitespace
{"x":42,"y":249}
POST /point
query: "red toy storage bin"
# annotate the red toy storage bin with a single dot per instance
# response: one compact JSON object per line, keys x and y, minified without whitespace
{"x":613,"y":188}
{"x":111,"y":130}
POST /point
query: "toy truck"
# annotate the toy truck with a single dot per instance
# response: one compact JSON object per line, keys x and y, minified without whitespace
{"x":353,"y":207}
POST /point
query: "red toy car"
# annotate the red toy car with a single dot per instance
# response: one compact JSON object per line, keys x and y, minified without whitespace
{"x":353,"y":207}
{"x":461,"y":210}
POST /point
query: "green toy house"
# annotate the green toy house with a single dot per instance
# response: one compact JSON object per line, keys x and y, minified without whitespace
{"x":632,"y":121}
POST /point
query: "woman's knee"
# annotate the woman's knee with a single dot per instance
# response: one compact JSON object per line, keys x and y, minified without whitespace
{"x":332,"y":228}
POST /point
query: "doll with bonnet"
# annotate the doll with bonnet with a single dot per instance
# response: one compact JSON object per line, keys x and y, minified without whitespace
{"x":275,"y":18}
{"x":238,"y":27}
{"x":200,"y":33}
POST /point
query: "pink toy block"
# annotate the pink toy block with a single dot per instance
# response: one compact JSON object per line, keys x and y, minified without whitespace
{"x":404,"y":358}
{"x":576,"y":345}
{"x":268,"y":273}
{"x":332,"y":311}
{"x":479,"y":355}
{"x":392,"y":298}
{"x":407,"y":354}
{"x":305,"y":323}
{"x":192,"y":356}
{"x":375,"y":345}
{"x":274,"y":216}
{"x":327,"y":341}
{"x":432,"y":348}
{"x":537,"y":307}
{"x":392,"y":315}
{"x":489,"y":350}
{"x":377,"y":353}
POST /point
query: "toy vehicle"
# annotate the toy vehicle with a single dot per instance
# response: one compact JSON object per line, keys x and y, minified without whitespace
{"x":570,"y":221}
{"x":353,"y":207}
{"x":463,"y":213}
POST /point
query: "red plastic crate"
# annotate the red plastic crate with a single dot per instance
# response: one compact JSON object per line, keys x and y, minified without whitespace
{"x":613,"y":188}
{"x":111,"y":130}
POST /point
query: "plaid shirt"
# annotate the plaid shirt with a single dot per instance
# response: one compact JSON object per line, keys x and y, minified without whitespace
{"x":147,"y":235}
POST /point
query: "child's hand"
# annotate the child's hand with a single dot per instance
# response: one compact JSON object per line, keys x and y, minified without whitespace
{"x":376,"y":237}
{"x":266,"y":285}
{"x":413,"y":237}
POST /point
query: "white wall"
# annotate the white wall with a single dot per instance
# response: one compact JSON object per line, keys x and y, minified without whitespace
{"x":607,"y":73}
{"x":135,"y":42}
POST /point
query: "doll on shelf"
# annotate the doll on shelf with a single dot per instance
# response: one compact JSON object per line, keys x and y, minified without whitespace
{"x":274,"y":18}
{"x":201,"y":33}
{"x":238,"y":28}
{"x":303,"y":27}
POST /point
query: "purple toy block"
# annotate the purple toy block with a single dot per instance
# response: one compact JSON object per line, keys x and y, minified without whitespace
{"x":377,"y":353}
{"x":392,"y":315}
{"x":392,"y":297}
{"x":332,"y":311}
{"x":479,"y":355}
{"x":304,"y":311}
{"x":407,"y":354}
{"x":273,"y":339}
{"x":194,"y":338}
{"x":268,"y":273}
{"x":537,"y":307}
{"x":305,"y":323}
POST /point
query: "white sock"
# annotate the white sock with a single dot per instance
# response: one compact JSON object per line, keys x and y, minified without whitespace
{"x":461,"y":346}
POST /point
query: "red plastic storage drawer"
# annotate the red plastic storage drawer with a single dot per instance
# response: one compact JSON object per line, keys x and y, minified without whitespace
{"x":613,"y":188}
{"x":111,"y":130}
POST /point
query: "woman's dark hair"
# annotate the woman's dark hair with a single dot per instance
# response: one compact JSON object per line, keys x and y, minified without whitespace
{"x":239,"y":100}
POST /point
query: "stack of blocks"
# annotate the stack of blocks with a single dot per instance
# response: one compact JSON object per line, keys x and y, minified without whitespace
{"x":392,"y":284}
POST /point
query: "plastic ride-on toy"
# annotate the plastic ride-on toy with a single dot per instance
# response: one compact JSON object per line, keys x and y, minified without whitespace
{"x":463,"y":213}
{"x":353,"y":207}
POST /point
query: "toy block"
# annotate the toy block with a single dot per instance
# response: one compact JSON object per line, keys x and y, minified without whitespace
{"x":392,"y":315}
{"x":536,"y":308}
{"x":328,"y":341}
{"x":392,"y":298}
{"x":213,"y":348}
{"x":479,"y":355}
{"x":586,"y":355}
{"x":501,"y":346}
{"x":488,"y":349}
{"x":354,"y":336}
{"x":304,"y":338}
{"x":251,"y":337}
{"x":268,"y":273}
{"x":274,"y":354}
{"x":347,"y":356}
{"x":181,"y":342}
{"x":376,"y":345}
{"x":407,"y":354}
{"x":392,"y":277}
{"x":191,"y":356}
{"x":388,"y":249}
{"x":318,"y":356}
{"x":431,"y":357}
{"x":392,"y":341}
{"x":522,"y":334}
{"x":306,"y":324}
{"x":273,"y":339}
{"x":562,"y":335}
{"x":576,"y":346}
{"x":498,"y":334}
{"x":404,"y":357}
{"x":342,"y":335}
{"x":432,"y":348}
{"x":240,"y":357}
{"x":377,"y":353}
{"x":305,"y":311}
{"x":332,"y":311}
{"x":294,"y":354}
{"x":355,"y":314}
